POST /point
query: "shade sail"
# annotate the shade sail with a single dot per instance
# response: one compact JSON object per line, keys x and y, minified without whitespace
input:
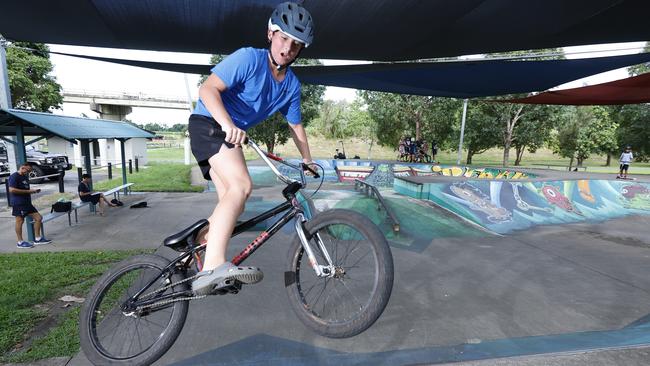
{"x":462,"y":79}
{"x":69,"y":128}
{"x":380,"y":30}
{"x":632,"y":90}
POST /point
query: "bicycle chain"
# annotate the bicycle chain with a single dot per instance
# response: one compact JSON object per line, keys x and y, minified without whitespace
{"x":165,"y":302}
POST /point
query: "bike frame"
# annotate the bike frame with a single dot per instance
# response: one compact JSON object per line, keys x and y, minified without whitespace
{"x":292,"y":207}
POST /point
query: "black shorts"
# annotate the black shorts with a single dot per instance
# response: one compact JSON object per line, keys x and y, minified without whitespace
{"x":624,"y":167}
{"x":23,"y":210}
{"x":93,"y":198}
{"x":203,"y":145}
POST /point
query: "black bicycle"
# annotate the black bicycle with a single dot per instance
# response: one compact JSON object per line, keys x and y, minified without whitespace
{"x":339,"y":278}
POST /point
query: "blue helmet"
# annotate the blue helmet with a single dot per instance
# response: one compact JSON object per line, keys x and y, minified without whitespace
{"x":294,"y":21}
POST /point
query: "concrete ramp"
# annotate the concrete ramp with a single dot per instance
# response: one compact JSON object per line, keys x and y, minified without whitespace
{"x":505,"y":206}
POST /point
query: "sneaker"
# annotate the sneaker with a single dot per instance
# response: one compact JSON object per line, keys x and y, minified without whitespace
{"x":24,"y":245}
{"x":42,"y":241}
{"x":207,"y":280}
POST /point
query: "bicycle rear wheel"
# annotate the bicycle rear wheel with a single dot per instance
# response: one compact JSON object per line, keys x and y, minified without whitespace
{"x":350,"y":301}
{"x":110,"y":335}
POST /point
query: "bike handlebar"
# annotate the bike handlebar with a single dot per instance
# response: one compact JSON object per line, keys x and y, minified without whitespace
{"x":305,"y":167}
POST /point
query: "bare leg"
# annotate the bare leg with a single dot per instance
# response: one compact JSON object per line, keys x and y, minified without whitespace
{"x":19,"y":227}
{"x":37,"y":223}
{"x":100,"y":203}
{"x":233,"y":185}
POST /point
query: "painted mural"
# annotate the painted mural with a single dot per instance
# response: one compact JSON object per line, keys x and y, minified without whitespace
{"x":382,"y":174}
{"x":419,"y":221}
{"x":503,"y":206}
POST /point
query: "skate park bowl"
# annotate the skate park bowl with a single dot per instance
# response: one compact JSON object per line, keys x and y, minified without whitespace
{"x":489,"y":263}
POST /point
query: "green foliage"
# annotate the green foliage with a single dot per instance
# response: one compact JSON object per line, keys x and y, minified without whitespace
{"x":640,"y":68}
{"x":590,"y":131}
{"x":633,"y":128}
{"x":31,"y":279}
{"x":32,"y":86}
{"x":399,"y":115}
{"x":481,"y":130}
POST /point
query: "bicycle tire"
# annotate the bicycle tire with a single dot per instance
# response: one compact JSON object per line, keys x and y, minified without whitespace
{"x":371,"y":297}
{"x":95,"y":314}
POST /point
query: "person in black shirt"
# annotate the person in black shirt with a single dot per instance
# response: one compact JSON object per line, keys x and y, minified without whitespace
{"x":21,"y":202}
{"x":86,"y":195}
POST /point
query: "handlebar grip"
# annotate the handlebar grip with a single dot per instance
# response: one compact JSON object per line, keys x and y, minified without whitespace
{"x":308,"y":168}
{"x":214,"y":132}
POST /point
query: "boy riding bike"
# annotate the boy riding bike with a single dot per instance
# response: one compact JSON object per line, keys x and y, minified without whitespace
{"x":247,"y":87}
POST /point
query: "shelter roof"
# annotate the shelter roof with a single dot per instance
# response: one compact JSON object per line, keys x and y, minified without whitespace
{"x":69,"y":128}
{"x":378,"y":30}
{"x":632,"y":90}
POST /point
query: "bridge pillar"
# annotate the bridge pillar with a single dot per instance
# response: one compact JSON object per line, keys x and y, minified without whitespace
{"x":110,"y":111}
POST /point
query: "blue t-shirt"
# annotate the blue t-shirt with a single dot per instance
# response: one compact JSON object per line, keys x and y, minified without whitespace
{"x":253,"y":94}
{"x":21,"y":182}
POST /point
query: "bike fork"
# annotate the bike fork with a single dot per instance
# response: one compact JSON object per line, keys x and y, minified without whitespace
{"x":321,"y":270}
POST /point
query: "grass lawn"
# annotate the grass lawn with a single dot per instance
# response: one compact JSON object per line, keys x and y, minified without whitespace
{"x":322,"y":148}
{"x":156,"y":177}
{"x":31,"y":284}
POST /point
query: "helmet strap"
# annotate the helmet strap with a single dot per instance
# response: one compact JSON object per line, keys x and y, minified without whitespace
{"x":282,"y":67}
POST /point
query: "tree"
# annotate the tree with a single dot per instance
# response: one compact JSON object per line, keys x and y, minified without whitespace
{"x":274,"y":130}
{"x":32,"y":86}
{"x":641,"y":68}
{"x":513,"y":115}
{"x":590,"y":131}
{"x":399,"y":115}
{"x":534,"y":129}
{"x":480,"y":132}
{"x":633,"y":128}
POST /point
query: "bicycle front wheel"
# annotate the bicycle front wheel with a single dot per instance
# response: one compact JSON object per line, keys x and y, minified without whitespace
{"x":352,"y":299}
{"x":112,"y":334}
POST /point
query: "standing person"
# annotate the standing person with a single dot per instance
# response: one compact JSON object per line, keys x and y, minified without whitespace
{"x":86,"y":195}
{"x":20,"y":197}
{"x":245,"y":88}
{"x":434,"y":150}
{"x":625,"y":160}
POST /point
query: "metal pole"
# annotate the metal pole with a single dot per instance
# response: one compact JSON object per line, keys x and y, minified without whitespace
{"x":85,"y":151}
{"x":130,"y":166}
{"x":5,"y":92}
{"x":126,"y":190}
{"x":5,"y":103}
{"x":110,"y":171}
{"x":462,"y":132}
{"x":61,"y":174}
{"x":186,"y":145}
{"x":136,"y":165}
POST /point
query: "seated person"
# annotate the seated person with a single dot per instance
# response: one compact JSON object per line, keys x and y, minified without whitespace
{"x":86,"y":195}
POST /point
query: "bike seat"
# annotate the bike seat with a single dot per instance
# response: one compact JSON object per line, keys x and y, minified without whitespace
{"x":179,"y":240}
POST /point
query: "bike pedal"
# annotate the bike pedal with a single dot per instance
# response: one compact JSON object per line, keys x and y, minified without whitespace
{"x":229,"y":286}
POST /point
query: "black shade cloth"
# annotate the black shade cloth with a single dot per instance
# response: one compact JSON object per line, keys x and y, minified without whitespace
{"x":463,"y":79}
{"x":379,"y":30}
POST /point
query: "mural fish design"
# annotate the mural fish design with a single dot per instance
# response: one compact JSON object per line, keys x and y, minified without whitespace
{"x":478,"y":201}
{"x":630,"y":191}
{"x":555,"y":197}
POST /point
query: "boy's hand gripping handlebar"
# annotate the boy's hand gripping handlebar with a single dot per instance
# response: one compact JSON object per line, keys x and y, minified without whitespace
{"x":305,"y":167}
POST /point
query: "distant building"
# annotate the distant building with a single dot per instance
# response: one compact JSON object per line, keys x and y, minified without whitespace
{"x":102,"y":151}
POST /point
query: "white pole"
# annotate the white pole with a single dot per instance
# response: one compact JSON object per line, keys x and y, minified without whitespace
{"x":462,"y":132}
{"x":189,"y":106}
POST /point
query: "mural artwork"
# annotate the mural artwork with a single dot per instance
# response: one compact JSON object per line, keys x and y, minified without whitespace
{"x":503,"y":206}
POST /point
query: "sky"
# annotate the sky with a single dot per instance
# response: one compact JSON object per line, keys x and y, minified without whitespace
{"x":82,"y":74}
